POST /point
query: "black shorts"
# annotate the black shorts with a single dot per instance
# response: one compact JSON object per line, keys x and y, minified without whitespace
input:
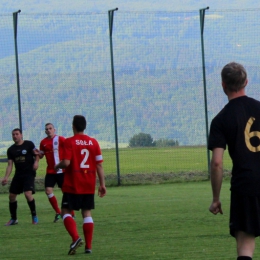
{"x":77,"y":201}
{"x":244,"y":214}
{"x":52,"y":179}
{"x":21,"y":184}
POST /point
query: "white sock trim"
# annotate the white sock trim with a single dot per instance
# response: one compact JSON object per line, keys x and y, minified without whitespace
{"x":50,"y":195}
{"x":88,"y":220}
{"x":66,"y":216}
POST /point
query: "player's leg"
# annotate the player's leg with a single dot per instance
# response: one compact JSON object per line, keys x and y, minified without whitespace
{"x":88,"y":229}
{"x":29,"y":190}
{"x":245,"y":245}
{"x":244,"y":223}
{"x":50,"y":182}
{"x":15,"y":188}
{"x":88,"y":223}
{"x":59,"y":181}
{"x":13,"y":210}
{"x":69,"y":202}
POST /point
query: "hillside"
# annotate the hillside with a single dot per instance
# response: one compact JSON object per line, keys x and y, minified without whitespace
{"x":64,"y":63}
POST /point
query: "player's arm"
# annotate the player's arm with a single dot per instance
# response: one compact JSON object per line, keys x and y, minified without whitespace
{"x":101,"y":176}
{"x":7,"y":171}
{"x":36,"y":157}
{"x":38,"y":152}
{"x":36,"y":162}
{"x":62,"y":164}
{"x":216,"y":176}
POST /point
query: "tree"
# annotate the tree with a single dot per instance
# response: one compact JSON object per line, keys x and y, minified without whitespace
{"x":141,"y":140}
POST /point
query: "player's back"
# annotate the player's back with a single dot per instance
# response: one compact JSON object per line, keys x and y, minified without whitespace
{"x":241,"y":124}
{"x":84,"y":153}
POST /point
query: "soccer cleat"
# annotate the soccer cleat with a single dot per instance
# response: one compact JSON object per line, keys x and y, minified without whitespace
{"x":74,"y":246}
{"x":57,"y":218}
{"x":35,"y":220}
{"x":88,"y":251}
{"x":11,"y":222}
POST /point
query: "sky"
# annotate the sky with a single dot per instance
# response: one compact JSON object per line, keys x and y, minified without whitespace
{"x":81,"y":6}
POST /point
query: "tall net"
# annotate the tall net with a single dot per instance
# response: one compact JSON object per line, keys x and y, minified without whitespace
{"x":64,"y":64}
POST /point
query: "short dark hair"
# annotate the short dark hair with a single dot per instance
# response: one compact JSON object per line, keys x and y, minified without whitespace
{"x":49,"y":124}
{"x":79,"y":122}
{"x":17,"y":129}
{"x":234,"y":76}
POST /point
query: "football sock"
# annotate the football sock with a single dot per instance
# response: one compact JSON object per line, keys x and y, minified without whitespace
{"x":72,"y":213}
{"x":13,"y":209}
{"x":88,"y":228}
{"x":32,"y":207}
{"x":244,"y":258}
{"x":54,"y":203}
{"x":71,"y":226}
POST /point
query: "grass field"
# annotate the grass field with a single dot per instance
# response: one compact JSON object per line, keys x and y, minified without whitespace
{"x":151,"y":160}
{"x":169,"y":221}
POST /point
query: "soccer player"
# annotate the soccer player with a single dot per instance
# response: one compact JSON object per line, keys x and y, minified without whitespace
{"x":237,"y":126}
{"x":83,"y":161}
{"x":52,"y":147}
{"x":21,"y":154}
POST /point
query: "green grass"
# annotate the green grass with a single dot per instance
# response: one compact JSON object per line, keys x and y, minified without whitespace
{"x":169,"y":221}
{"x":151,"y":160}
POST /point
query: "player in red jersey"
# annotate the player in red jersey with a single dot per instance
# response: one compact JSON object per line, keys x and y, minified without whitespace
{"x":52,"y":148}
{"x":83,"y":161}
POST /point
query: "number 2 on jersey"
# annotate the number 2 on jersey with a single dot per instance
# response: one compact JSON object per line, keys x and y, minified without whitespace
{"x":83,"y":163}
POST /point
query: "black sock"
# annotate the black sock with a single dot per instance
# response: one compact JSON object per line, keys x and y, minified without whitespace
{"x":32,"y":207}
{"x":244,"y":258}
{"x":13,"y":209}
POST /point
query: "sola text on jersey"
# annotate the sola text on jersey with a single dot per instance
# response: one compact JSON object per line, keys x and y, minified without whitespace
{"x":81,"y":142}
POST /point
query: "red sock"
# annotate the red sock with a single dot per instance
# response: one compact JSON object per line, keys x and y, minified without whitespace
{"x":72,"y":213}
{"x":71,"y":227}
{"x":54,"y":203}
{"x":88,"y":228}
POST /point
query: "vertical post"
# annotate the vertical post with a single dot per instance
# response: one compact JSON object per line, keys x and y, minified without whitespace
{"x":110,"y":20}
{"x":15,"y":21}
{"x":202,"y":17}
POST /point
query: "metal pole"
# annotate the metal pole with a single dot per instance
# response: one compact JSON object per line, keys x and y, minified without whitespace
{"x":15,"y":21}
{"x":202,"y":18}
{"x":110,"y":20}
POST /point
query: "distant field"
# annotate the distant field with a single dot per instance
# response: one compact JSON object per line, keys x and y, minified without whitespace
{"x":150,"y":160}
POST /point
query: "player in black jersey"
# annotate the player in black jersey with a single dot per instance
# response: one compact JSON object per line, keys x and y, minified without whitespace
{"x":21,"y":154}
{"x":237,"y":126}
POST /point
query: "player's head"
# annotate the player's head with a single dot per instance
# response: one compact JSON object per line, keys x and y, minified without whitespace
{"x":79,"y":123}
{"x":17,"y":135}
{"x":234,"y":77}
{"x":49,"y":130}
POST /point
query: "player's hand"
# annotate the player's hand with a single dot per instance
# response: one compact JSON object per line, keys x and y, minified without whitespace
{"x":215,"y":207}
{"x":4,"y":182}
{"x":102,"y":191}
{"x":36,"y":151}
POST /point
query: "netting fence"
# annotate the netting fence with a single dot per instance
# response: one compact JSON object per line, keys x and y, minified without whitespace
{"x":65,"y":69}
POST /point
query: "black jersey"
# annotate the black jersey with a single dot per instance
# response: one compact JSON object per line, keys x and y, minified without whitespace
{"x":238,"y":126}
{"x":23,"y":158}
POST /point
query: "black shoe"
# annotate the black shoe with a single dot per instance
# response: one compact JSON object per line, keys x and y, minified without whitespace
{"x":88,"y":251}
{"x":57,"y":218}
{"x":11,"y":222}
{"x":74,"y":246}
